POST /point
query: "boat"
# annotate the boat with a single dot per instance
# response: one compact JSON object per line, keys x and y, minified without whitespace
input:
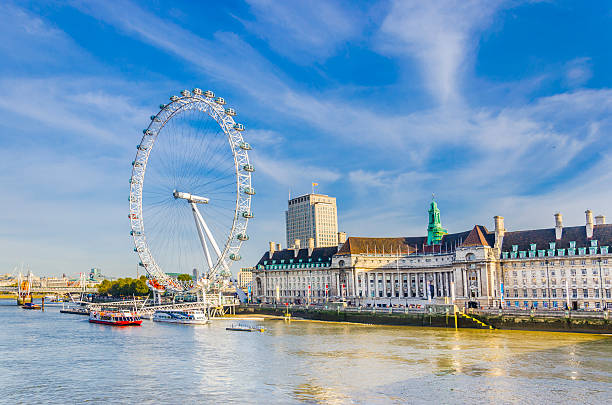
{"x":246,"y":328}
{"x":193,"y":317}
{"x":30,"y":305}
{"x":77,"y":308}
{"x":115,"y":318}
{"x":54,"y":300}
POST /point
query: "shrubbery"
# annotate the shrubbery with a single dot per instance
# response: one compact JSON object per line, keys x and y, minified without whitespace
{"x":124,"y":287}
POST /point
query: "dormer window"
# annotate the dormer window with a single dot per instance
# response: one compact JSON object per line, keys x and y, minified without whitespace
{"x":573,"y":244}
{"x":505,"y":255}
{"x":515,"y":248}
{"x":594,"y":243}
{"x":541,"y":253}
{"x":552,"y":245}
{"x":581,"y":251}
{"x":561,"y":252}
{"x":532,"y":246}
{"x":604,"y":250}
{"x":592,"y":250}
{"x":532,"y":253}
{"x":522,"y":254}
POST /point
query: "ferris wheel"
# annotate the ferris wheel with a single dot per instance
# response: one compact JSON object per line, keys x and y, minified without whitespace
{"x":196,"y":201}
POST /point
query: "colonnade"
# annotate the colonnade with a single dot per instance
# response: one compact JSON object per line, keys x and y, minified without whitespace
{"x":404,"y":284}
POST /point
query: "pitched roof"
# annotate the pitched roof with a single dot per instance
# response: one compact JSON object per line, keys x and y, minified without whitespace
{"x":414,"y":244}
{"x":357,"y":245}
{"x":542,"y":237}
{"x":323,"y":253}
{"x":476,"y":237}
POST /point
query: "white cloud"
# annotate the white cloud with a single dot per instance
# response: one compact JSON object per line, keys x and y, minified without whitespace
{"x":304,"y":31}
{"x":578,"y":71}
{"x":440,"y":35}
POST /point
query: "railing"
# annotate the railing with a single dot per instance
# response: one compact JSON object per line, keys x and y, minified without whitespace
{"x":540,"y":313}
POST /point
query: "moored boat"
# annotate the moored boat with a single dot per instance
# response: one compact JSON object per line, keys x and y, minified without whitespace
{"x":30,"y":305}
{"x":115,"y":318}
{"x":246,"y":328}
{"x":193,"y":317}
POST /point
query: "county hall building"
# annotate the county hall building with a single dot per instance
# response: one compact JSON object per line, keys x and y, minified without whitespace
{"x":543,"y":268}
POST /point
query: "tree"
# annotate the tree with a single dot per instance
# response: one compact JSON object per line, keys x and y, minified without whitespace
{"x":184,"y":277}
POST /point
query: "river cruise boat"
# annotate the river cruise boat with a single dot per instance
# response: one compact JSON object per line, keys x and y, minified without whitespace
{"x":30,"y":305}
{"x":193,"y":317}
{"x":116,"y":318}
{"x":246,"y":328}
{"x":77,"y":308}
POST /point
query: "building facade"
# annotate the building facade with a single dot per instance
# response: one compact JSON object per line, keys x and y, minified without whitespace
{"x":312,"y":216}
{"x":245,"y":278}
{"x":551,"y":268}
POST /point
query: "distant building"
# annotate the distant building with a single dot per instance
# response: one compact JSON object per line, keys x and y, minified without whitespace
{"x":312,"y":216}
{"x":196,"y":275}
{"x":543,"y":268}
{"x":245,"y":278}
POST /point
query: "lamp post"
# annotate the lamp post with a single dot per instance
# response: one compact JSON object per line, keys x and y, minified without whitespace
{"x":601,"y":292}
{"x":547,"y":283}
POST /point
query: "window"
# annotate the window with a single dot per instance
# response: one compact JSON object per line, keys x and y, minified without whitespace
{"x":524,"y":292}
{"x":535,"y":292}
{"x":516,"y":293}
{"x":597,"y":293}
{"x":574,"y":293}
{"x":553,"y":293}
{"x":543,"y":293}
{"x":585,"y":292}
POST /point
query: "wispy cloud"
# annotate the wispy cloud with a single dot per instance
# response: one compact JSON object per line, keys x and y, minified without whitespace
{"x":578,"y":71}
{"x":305,"y":31}
{"x":440,"y":35}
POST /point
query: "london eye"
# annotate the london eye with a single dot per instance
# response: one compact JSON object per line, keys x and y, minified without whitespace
{"x":190,"y":192}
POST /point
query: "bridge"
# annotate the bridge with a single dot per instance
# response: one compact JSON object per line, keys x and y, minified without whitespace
{"x":51,"y":290}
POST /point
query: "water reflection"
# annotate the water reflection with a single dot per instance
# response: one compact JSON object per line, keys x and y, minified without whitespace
{"x":297,"y":362}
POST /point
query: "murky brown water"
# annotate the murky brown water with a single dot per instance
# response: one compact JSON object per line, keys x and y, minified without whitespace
{"x":52,"y":357}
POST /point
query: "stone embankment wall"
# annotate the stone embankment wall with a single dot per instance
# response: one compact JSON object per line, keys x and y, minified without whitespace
{"x":536,"y":323}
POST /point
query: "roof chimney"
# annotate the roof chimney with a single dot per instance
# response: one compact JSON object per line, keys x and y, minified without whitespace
{"x":310,"y":246}
{"x":271,"y":251}
{"x":341,"y":238}
{"x":296,"y":247}
{"x":278,"y":247}
{"x":558,"y":226}
{"x":499,"y":230}
{"x":600,"y":220}
{"x":589,"y":223}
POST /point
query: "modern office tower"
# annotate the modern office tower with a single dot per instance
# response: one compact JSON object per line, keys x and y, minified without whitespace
{"x":312,"y":216}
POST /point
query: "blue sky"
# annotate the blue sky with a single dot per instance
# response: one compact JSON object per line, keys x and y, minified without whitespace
{"x":497,"y":107}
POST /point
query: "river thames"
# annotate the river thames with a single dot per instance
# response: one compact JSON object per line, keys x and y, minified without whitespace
{"x":48,"y":357}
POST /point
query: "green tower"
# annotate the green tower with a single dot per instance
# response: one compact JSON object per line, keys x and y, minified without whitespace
{"x":434,"y":229}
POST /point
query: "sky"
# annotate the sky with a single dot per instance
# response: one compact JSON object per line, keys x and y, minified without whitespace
{"x":497,"y":107}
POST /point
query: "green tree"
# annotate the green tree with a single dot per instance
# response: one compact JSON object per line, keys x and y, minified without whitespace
{"x":184,"y":277}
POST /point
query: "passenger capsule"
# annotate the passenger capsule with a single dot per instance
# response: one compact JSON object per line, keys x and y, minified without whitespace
{"x":197,"y":92}
{"x":141,"y":147}
{"x":234,"y":256}
{"x":220,"y":100}
{"x":133,"y":216}
{"x":239,"y":127}
{"x":185,"y":93}
{"x":245,"y":146}
{"x":242,"y":237}
{"x":230,"y":111}
{"x":154,"y":118}
{"x":209,"y":94}
{"x":174,"y":98}
{"x":248,"y":168}
{"x":249,"y":190}
{"x":162,"y":106}
{"x":247,"y":214}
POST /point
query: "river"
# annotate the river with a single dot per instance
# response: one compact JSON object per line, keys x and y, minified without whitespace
{"x":48,"y":357}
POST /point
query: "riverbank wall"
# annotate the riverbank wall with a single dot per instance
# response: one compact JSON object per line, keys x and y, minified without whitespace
{"x":582,"y":324}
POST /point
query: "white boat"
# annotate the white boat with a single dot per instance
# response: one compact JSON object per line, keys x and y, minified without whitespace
{"x":192,"y":317}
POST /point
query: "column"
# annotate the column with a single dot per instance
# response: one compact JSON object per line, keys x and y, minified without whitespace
{"x":424,"y":284}
{"x":465,"y":287}
{"x":435,"y":282}
{"x":478,"y":291}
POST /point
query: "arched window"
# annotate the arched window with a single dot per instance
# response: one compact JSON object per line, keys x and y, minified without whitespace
{"x":470,"y":257}
{"x":341,"y":263}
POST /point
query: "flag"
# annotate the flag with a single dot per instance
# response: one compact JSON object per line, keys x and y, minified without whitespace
{"x":315,"y":184}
